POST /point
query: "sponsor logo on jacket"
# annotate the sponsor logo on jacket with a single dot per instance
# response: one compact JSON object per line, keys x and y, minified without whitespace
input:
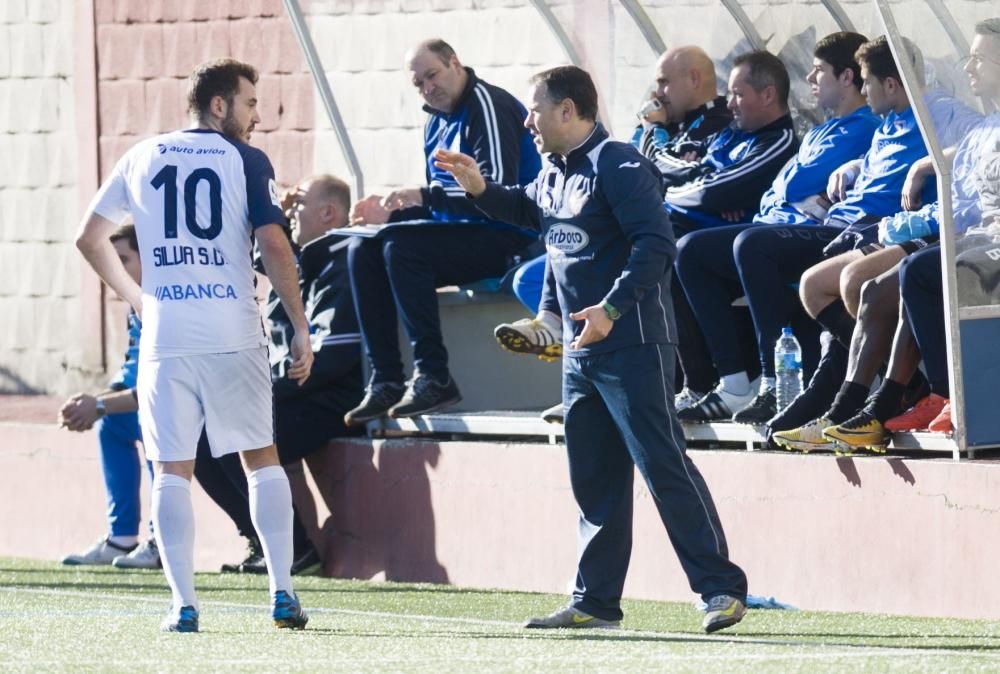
{"x":565,"y":239}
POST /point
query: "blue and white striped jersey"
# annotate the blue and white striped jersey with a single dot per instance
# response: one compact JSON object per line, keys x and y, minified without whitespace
{"x":195,"y":197}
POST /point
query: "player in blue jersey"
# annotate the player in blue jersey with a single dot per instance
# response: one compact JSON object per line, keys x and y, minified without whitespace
{"x":118,"y":436}
{"x":706,"y":261}
{"x":916,"y":280}
{"x":198,"y":198}
{"x":831,"y":289}
{"x":771,"y":259}
{"x":598,"y":205}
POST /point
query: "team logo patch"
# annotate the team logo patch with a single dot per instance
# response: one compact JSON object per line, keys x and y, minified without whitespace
{"x":566,"y":239}
{"x":273,"y":189}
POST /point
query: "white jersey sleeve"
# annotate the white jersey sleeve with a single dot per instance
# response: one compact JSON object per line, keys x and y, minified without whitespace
{"x":111,"y":200}
{"x":195,"y":197}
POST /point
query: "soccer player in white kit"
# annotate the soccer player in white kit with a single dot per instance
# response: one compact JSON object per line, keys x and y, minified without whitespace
{"x":198,"y":198}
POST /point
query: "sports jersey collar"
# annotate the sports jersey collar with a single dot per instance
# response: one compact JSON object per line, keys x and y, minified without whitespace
{"x":466,"y":92}
{"x":693,"y":118}
{"x":783,"y":122}
{"x":315,"y":255}
{"x":597,"y":136}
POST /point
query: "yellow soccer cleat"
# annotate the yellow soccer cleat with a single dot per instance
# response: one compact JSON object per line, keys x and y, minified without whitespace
{"x":862,"y":432}
{"x":805,"y":438}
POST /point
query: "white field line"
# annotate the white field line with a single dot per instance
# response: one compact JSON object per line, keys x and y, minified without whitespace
{"x":848,"y":650}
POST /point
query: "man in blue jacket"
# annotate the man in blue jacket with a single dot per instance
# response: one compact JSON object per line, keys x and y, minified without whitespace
{"x":113,"y":412}
{"x":707,"y":266}
{"x":397,"y":272}
{"x":610,"y":246}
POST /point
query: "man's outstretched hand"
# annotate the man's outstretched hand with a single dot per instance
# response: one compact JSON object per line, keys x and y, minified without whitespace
{"x":464,"y":168}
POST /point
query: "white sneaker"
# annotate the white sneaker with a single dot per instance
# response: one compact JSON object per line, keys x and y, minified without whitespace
{"x":541,"y":336}
{"x":102,"y":553}
{"x":555,"y":414}
{"x":687,"y":398}
{"x":145,"y":556}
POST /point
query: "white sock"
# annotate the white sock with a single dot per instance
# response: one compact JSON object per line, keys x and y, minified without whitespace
{"x":767,"y":383}
{"x":124,"y":541}
{"x":271,"y":512}
{"x":737,"y":384}
{"x":551,"y":321}
{"x":173,"y":517}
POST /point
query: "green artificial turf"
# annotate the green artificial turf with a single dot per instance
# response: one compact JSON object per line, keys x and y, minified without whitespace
{"x":55,"y":618}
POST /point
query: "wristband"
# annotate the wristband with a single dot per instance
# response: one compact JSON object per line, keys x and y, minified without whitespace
{"x":612,"y":313}
{"x":101,"y":408}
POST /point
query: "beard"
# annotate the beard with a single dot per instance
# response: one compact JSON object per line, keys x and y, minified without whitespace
{"x":232,"y":129}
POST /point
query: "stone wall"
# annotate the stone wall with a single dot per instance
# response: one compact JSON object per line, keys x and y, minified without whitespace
{"x":39,"y":267}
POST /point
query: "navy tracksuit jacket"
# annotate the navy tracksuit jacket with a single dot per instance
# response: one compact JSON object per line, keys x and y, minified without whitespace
{"x":609,"y":239}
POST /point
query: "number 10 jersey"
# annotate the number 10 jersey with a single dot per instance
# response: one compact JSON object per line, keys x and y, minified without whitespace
{"x":195,"y":197}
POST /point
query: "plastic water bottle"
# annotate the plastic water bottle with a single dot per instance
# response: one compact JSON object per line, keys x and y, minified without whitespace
{"x":787,"y":368}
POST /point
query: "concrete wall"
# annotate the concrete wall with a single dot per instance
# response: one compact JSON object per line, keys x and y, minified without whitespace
{"x":39,"y":267}
{"x":901,"y":536}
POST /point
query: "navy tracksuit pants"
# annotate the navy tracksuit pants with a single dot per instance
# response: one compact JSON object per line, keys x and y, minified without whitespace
{"x":620,"y":416}
{"x":922,"y":294}
{"x":717,"y":265}
{"x":397,"y":274}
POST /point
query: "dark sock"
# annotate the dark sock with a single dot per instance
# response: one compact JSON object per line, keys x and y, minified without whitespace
{"x":884,"y":405}
{"x":836,"y":319}
{"x":918,"y":388}
{"x":848,"y":402}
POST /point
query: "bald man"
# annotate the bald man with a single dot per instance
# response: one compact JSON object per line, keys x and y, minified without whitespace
{"x":691,"y":108}
{"x":678,"y":133}
{"x":396,"y":274}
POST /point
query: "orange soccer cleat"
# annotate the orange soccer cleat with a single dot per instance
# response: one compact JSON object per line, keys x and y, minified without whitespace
{"x":918,"y":417}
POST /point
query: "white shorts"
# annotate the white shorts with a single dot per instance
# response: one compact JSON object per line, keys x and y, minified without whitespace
{"x":229,"y":394}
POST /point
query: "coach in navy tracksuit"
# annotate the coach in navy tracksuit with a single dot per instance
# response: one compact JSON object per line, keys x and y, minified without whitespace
{"x":610,"y":245}
{"x":397,"y":272}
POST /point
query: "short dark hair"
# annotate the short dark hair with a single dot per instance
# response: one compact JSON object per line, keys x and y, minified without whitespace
{"x":332,"y":188}
{"x":126,"y":233}
{"x":989,"y":27}
{"x":766,"y":70}
{"x":876,"y":57}
{"x":441,"y":49}
{"x":573,"y":83}
{"x":217,"y":78}
{"x":838,"y":49}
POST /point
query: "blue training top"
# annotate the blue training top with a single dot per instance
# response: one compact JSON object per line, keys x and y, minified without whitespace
{"x":824,"y":148}
{"x":734,"y":174}
{"x":878,"y":190}
{"x":487,"y":124}
{"x":129,"y":371}
{"x":975,"y":180}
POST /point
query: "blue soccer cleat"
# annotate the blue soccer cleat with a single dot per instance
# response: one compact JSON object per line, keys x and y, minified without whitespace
{"x":286,"y":611}
{"x":185,"y":620}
